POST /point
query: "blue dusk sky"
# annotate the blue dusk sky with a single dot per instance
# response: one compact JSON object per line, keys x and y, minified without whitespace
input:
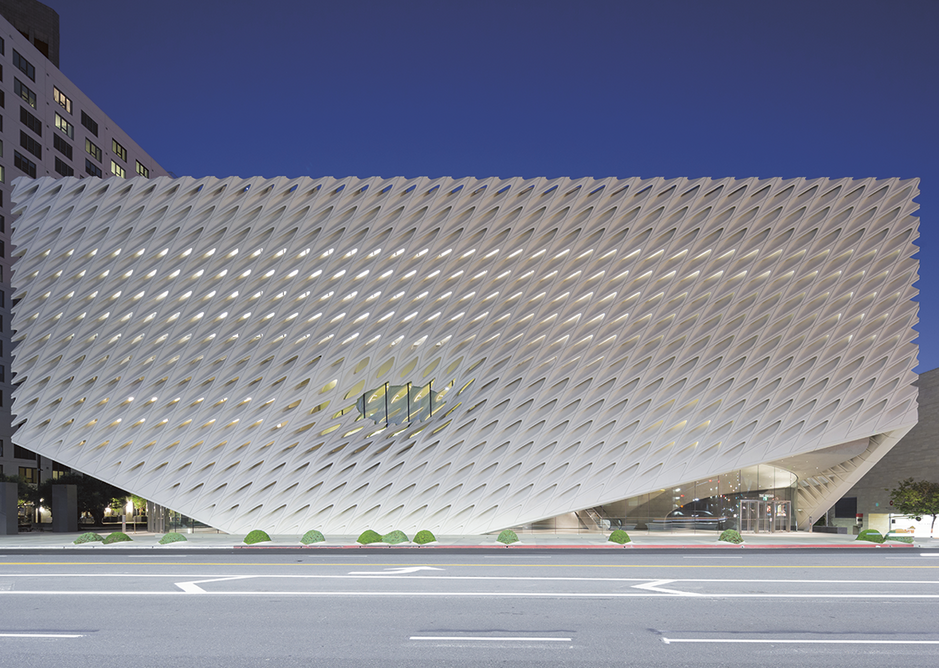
{"x":833,"y":88}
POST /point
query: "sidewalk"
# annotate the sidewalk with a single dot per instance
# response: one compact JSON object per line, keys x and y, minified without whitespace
{"x":640,"y":540}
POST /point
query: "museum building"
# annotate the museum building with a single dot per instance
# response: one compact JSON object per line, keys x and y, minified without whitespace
{"x":465,"y":355}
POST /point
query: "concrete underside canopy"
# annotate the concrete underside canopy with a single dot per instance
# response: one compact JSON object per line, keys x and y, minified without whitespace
{"x":458,"y":355}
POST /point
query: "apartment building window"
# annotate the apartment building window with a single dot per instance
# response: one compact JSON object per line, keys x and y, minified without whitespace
{"x":64,"y":126}
{"x":61,"y":167}
{"x":62,"y":146}
{"x":2,"y":47}
{"x":143,"y":171}
{"x":117,"y":170}
{"x":30,"y":144}
{"x":92,"y":149}
{"x":62,"y":99}
{"x":24,"y":164}
{"x":119,"y":150}
{"x":90,"y":124}
{"x":1,"y":148}
{"x":27,"y":474}
{"x":92,"y":169}
{"x":3,"y":99}
{"x":3,"y":177}
{"x":23,"y":91}
{"x":3,"y":253}
{"x":25,"y":66}
{"x":30,"y":121}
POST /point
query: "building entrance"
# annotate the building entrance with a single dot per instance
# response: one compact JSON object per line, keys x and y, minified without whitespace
{"x":764,"y":516}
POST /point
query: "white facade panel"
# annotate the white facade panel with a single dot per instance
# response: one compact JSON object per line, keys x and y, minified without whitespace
{"x":549,"y":344}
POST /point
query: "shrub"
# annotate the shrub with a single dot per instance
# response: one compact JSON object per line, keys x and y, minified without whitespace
{"x":117,"y":537}
{"x":394,"y":537}
{"x":312,"y":536}
{"x":257,"y":536}
{"x":620,"y":537}
{"x":900,"y":538}
{"x":368,"y":537}
{"x":172,"y":537}
{"x":423,"y":537}
{"x":507,"y":537}
{"x":89,"y":537}
{"x":731,"y":536}
{"x":871,"y":536}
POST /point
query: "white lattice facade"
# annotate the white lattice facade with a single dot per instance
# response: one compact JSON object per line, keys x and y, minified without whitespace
{"x":458,"y":355}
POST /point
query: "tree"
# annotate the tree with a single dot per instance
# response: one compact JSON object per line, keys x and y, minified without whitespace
{"x":917,"y":499}
{"x":93,"y":495}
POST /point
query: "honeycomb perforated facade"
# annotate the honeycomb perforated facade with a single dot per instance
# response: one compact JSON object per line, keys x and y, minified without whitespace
{"x":519,"y":348}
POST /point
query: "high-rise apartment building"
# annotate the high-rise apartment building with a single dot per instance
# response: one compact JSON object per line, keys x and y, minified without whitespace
{"x":48,"y":127}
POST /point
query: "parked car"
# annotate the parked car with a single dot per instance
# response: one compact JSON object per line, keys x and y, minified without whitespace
{"x":683,"y":518}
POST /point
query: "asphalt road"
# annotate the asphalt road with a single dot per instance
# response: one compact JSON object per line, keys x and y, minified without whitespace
{"x":371,"y":608}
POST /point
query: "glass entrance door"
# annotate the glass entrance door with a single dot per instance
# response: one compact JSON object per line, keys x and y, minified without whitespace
{"x":749,"y":513}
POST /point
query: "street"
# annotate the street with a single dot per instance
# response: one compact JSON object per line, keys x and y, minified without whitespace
{"x":385,"y":607}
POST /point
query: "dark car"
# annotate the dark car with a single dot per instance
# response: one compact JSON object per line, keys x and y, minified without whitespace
{"x":684,"y":518}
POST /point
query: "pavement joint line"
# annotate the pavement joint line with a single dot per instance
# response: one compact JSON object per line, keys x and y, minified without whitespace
{"x":459,"y":594}
{"x":42,"y":635}
{"x":794,"y":641}
{"x":488,"y":638}
{"x":653,"y":581}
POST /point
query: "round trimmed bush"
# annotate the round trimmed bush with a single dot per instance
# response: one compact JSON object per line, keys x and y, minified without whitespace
{"x":871,"y":536}
{"x":368,"y":537}
{"x":312,"y":536}
{"x":423,"y":537}
{"x":507,"y":537}
{"x":257,"y":536}
{"x":89,"y":537}
{"x":619,"y":537}
{"x":395,"y":537}
{"x":731,"y":536}
{"x":172,"y":537}
{"x":117,"y":537}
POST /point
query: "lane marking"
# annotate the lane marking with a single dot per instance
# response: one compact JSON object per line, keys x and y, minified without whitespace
{"x":194,"y":588}
{"x":656,"y":585}
{"x":791,"y":641}
{"x":510,"y":565}
{"x":489,"y":638}
{"x":41,"y":635}
{"x":395,"y":571}
{"x":715,"y":557}
{"x":512,"y":556}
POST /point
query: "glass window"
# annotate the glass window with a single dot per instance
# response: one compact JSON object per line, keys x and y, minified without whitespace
{"x":64,"y":126}
{"x":24,"y":92}
{"x":143,"y":171}
{"x":25,"y":164}
{"x":61,"y":167}
{"x":3,"y":176}
{"x":92,"y":169}
{"x":92,"y":150}
{"x":90,"y":124}
{"x":62,"y":146}
{"x":119,"y":150}
{"x":30,"y":144}
{"x":27,"y":474}
{"x":117,"y":170}
{"x":30,"y":121}
{"x":62,"y":99}
{"x":24,"y":65}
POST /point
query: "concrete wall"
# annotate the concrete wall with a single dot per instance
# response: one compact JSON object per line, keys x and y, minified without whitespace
{"x":915,"y":456}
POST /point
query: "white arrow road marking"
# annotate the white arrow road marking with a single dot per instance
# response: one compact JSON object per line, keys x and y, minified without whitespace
{"x":194,"y":588}
{"x":656,"y":585}
{"x":396,"y":571}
